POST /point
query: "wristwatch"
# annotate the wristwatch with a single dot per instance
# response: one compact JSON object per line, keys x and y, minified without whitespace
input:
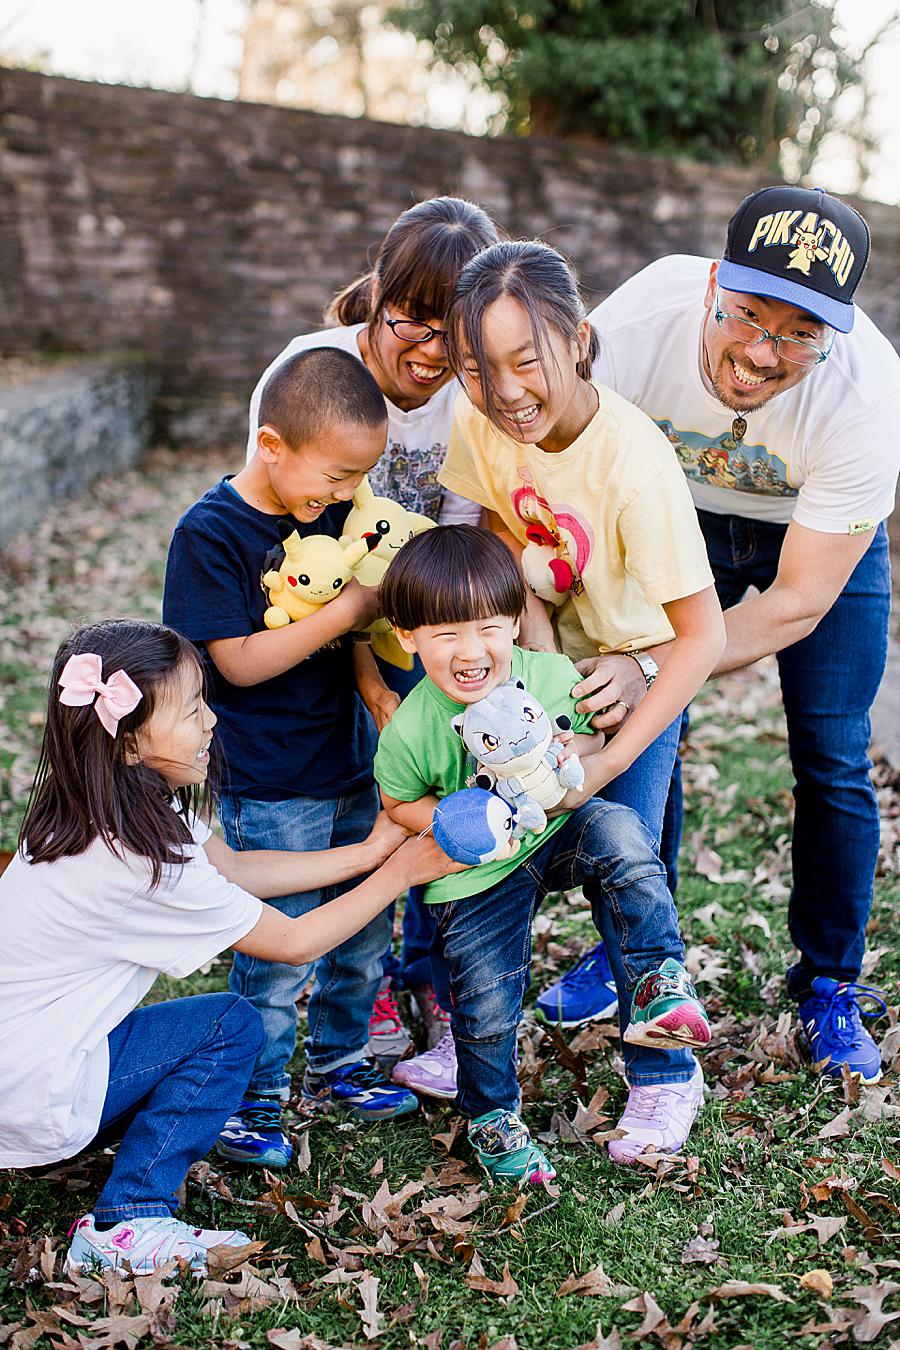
{"x":648,"y":666}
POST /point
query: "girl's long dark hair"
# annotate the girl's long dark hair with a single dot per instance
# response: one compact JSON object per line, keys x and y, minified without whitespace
{"x":419,"y":260}
{"x":543,"y":283}
{"x":87,"y":785}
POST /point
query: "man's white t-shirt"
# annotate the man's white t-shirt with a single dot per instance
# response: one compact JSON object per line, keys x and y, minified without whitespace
{"x":417,"y":440}
{"x":84,"y":939}
{"x":825,"y":453}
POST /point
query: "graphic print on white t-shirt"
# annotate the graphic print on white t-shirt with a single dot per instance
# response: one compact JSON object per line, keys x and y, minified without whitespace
{"x":721,"y":461}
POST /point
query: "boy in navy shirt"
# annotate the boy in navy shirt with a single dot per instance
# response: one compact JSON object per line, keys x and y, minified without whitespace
{"x":298,"y":743}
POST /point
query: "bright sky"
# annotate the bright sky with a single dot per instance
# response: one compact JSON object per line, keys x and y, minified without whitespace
{"x":163,"y":42}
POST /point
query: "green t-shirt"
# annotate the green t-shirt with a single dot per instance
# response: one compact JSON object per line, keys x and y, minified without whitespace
{"x":419,"y":752}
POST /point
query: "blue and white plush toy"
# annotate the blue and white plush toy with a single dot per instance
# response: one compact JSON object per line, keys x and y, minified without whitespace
{"x":475,"y":826}
{"x":517,"y":755}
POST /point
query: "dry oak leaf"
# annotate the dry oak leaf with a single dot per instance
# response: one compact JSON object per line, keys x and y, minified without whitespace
{"x":655,"y":1321}
{"x":826,"y":1227}
{"x":871,"y":1297}
{"x":600,"y":1342}
{"x":594,"y":1282}
{"x":296,"y":1340}
{"x":118,"y":1330}
{"x":838,"y":1127}
{"x":741,"y":1289}
{"x":223,"y":1259}
{"x":700,"y":1251}
{"x":505,"y":1287}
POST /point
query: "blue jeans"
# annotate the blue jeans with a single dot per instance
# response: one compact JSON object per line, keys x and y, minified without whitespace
{"x":347,"y":978}
{"x":644,"y":786}
{"x":176,"y":1072}
{"x":607,"y":850}
{"x":828,"y":684}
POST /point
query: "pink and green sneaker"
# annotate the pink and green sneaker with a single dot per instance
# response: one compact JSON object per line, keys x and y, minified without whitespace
{"x":665,"y":1010}
{"x":505,"y":1150}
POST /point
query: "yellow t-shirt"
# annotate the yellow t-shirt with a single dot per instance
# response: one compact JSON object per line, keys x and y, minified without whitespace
{"x":617,"y":501}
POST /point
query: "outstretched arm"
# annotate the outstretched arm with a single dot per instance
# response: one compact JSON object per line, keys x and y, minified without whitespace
{"x":299,"y":941}
{"x":813,"y":569}
{"x":272,"y":872}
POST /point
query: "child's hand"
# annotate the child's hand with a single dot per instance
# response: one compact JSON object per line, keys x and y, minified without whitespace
{"x":612,"y":688}
{"x":423,"y":860}
{"x":385,"y":838}
{"x":360,"y":605}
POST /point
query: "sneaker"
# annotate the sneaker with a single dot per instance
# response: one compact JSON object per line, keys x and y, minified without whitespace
{"x":658,"y":1116}
{"x":665,"y":1010}
{"x":434,"y":1019}
{"x":433,"y":1073}
{"x":362,"y":1089}
{"x":388,"y":1037}
{"x":505,"y":1149}
{"x":254,"y":1135}
{"x":583,"y":994}
{"x":145,"y":1243}
{"x":831,"y":1029}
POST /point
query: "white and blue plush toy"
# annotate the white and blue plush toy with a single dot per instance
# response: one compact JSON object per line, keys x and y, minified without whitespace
{"x":475,"y":826}
{"x":512,"y":739}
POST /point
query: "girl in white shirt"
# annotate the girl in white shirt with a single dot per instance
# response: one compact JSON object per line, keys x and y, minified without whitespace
{"x":115,"y":881}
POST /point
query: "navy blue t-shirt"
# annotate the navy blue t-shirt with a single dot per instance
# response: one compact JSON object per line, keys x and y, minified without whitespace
{"x":304,"y":733}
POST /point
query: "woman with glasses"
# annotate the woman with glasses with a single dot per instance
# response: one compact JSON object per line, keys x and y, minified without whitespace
{"x":392,"y":319}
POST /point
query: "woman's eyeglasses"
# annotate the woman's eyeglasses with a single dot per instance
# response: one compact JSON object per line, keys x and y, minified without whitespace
{"x":410,"y":330}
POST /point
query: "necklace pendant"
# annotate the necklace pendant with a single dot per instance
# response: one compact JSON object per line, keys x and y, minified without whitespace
{"x":738,"y":428}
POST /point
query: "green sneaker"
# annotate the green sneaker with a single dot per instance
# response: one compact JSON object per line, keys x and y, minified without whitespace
{"x":505,"y":1150}
{"x":665,"y":1010}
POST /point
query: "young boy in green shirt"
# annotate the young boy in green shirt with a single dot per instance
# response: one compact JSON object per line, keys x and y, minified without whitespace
{"x":454,"y":596}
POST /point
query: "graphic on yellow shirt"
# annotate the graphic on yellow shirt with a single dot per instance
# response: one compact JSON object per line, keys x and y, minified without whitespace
{"x":721,"y":461}
{"x":567,"y":527}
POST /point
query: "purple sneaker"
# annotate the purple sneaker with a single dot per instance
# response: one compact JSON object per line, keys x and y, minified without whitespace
{"x":433,"y":1073}
{"x":658,"y":1116}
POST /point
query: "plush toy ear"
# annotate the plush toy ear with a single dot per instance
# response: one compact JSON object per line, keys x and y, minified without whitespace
{"x":355,"y":552}
{"x":457,"y":723}
{"x":518,"y":684}
{"x":363,"y":494}
{"x":292,"y":546}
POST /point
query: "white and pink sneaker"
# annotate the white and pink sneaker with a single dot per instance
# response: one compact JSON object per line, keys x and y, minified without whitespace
{"x":433,"y":1073}
{"x":145,"y":1243}
{"x":658,"y":1116}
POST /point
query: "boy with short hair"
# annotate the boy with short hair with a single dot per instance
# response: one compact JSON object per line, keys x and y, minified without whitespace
{"x":454,"y":596}
{"x":297,"y":741}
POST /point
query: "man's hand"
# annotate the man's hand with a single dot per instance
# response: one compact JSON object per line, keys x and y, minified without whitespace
{"x":611,"y":689}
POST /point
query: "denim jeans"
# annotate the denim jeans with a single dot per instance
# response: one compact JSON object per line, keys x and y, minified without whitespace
{"x":176,"y":1072}
{"x":347,"y":978}
{"x":606,"y":849}
{"x":828,"y":684}
{"x":644,"y":786}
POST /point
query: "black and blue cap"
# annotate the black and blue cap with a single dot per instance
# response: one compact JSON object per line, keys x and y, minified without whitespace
{"x":799,"y":245}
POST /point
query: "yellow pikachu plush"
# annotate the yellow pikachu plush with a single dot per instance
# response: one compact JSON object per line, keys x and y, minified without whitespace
{"x":384,"y":526}
{"x":314,"y":570}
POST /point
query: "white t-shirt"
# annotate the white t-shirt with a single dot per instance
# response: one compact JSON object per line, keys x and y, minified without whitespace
{"x":825,"y":453}
{"x":417,"y":440}
{"x":84,"y":939}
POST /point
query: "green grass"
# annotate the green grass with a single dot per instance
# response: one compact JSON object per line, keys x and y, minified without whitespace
{"x":746,"y":1179}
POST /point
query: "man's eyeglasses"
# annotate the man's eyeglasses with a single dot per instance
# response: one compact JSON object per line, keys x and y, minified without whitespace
{"x":752,"y":334}
{"x":410,"y":330}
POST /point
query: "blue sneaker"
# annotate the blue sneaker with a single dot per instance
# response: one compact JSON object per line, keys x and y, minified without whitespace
{"x":582,"y":994}
{"x":831,"y":1028}
{"x":253,"y":1134}
{"x":361,"y":1089}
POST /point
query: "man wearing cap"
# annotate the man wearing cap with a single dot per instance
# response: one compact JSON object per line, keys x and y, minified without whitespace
{"x":760,"y":364}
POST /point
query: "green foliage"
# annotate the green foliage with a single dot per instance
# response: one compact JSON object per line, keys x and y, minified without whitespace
{"x":711,"y":79}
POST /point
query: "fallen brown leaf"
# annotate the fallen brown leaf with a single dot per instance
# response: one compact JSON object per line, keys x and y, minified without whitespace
{"x":505,"y":1287}
{"x":595,"y":1283}
{"x":741,"y":1289}
{"x":818,"y":1282}
{"x":700,"y":1251}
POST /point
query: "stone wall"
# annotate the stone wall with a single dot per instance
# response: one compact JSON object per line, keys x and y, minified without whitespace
{"x":208,"y":232}
{"x":63,"y":424}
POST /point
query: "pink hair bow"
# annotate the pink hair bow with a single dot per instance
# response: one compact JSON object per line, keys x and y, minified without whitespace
{"x":116,"y":697}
